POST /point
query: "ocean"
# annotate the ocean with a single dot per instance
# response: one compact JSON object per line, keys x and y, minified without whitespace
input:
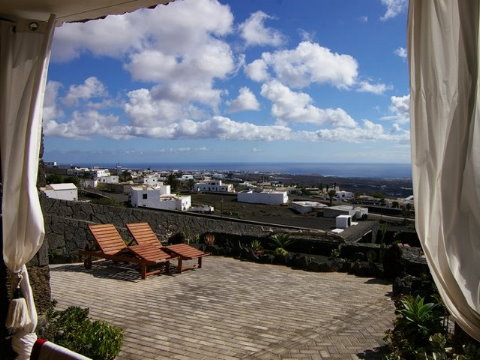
{"x":362,"y":170}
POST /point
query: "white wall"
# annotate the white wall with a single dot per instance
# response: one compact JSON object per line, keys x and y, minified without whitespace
{"x":153,"y":198}
{"x":269,"y":198}
{"x":111,"y":179}
{"x":70,"y":194}
{"x":213,"y":186}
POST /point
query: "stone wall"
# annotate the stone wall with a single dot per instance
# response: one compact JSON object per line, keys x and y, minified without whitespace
{"x":66,"y":225}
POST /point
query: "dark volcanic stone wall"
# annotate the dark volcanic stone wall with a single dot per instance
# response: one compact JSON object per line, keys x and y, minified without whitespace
{"x":66,"y":225}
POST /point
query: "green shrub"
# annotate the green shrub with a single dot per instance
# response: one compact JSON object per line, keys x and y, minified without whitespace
{"x":281,"y":240}
{"x":71,"y":328}
{"x":256,"y":245}
{"x":280,"y":252}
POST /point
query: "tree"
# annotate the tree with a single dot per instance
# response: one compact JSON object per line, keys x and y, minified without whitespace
{"x":190,"y":184}
{"x":125,"y":176}
{"x":72,"y":179}
{"x":54,"y":179}
{"x":331,"y":194}
{"x":173,"y":182}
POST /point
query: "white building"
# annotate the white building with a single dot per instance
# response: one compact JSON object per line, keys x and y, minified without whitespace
{"x":76,"y":171}
{"x":213,"y":186}
{"x":151,"y":180}
{"x":202,"y":209}
{"x":98,"y":173}
{"x":264,"y":197}
{"x":304,"y":207}
{"x":186,"y":178}
{"x":89,"y":183}
{"x":159,"y":197}
{"x":354,"y":212}
{"x":111,"y":179}
{"x":66,"y":191}
{"x":343,"y":221}
{"x":344,"y":194}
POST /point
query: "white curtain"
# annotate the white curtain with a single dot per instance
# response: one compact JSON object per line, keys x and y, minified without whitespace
{"x":443,"y":37}
{"x":24,"y":56}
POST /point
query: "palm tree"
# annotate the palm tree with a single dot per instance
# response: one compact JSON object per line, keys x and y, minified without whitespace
{"x":331,"y":194}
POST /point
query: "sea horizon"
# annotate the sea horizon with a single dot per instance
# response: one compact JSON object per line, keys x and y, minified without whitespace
{"x":360,"y":170}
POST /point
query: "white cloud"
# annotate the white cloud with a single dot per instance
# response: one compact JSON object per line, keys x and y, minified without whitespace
{"x":306,"y":35}
{"x":291,"y":106}
{"x":91,"y":88}
{"x":245,"y":100}
{"x":257,"y":70}
{"x":145,"y":110}
{"x":174,"y":28}
{"x":394,"y":8}
{"x":50,"y":108}
{"x":399,"y":109}
{"x":402,"y":52}
{"x":365,"y":86}
{"x":84,"y":125}
{"x":254,"y":32}
{"x":369,"y":132}
{"x":178,"y":48}
{"x":306,"y":64}
{"x":363,"y":19}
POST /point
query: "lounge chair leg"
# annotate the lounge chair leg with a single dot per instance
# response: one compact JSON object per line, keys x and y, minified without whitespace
{"x":167,"y":267}
{"x":88,"y":262}
{"x":199,"y":262}
{"x":143,"y":271}
{"x":179,"y":265}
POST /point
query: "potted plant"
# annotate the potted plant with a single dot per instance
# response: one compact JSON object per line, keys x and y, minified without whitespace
{"x":257,"y":248}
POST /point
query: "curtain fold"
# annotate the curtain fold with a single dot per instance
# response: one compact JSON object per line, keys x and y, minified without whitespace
{"x":443,"y":46}
{"x":24,"y":57}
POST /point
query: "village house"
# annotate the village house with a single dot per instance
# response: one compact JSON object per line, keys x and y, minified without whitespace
{"x":158,"y":197}
{"x":263,"y":197}
{"x":65,"y":191}
{"x":213,"y":186}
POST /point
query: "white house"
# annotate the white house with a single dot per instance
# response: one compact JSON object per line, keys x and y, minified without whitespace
{"x":89,"y":183}
{"x":343,"y":221}
{"x":354,"y":212}
{"x":264,"y":197}
{"x":213,"y":186}
{"x":304,"y":207}
{"x":159,"y":197}
{"x":110,"y":179}
{"x":98,"y":173}
{"x":186,"y":177}
{"x":151,"y":180}
{"x":344,"y":194}
{"x":77,"y":171}
{"x":65,"y":191}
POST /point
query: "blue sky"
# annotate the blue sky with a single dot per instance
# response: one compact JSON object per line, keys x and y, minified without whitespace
{"x":232,"y":81}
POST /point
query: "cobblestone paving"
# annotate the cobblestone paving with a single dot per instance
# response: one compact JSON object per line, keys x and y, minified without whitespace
{"x":231,"y":309}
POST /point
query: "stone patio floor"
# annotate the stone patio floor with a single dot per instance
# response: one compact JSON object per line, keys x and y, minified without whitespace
{"x":231,"y":309}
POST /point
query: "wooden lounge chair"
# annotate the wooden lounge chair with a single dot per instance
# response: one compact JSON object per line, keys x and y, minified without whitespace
{"x":143,"y":234}
{"x":110,"y":245}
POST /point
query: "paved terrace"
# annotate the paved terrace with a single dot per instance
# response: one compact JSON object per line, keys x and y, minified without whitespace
{"x":231,"y":309}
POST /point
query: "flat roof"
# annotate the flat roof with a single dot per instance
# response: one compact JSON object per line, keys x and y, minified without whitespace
{"x":64,"y":186}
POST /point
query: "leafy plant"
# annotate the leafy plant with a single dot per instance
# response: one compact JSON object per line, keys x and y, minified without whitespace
{"x":335,"y":253}
{"x":414,"y":327}
{"x":71,"y":328}
{"x":280,"y":252}
{"x":256,"y":245}
{"x":281,"y":240}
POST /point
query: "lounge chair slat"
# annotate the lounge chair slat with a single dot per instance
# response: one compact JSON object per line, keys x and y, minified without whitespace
{"x":112,"y":247}
{"x":143,"y":234}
